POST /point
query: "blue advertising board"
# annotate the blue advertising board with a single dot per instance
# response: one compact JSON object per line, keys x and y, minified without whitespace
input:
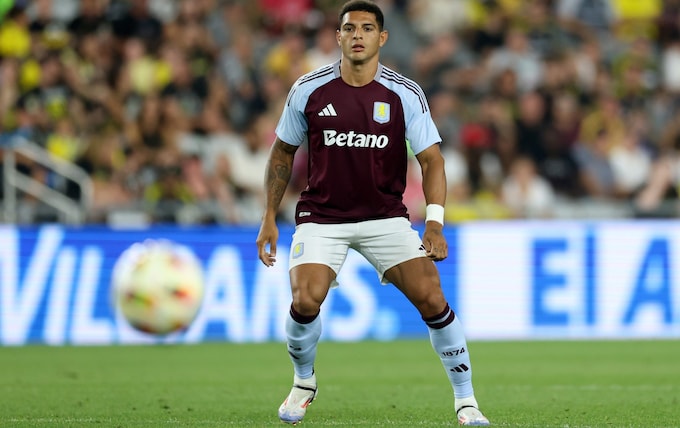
{"x":56,"y":289}
{"x":506,"y":280}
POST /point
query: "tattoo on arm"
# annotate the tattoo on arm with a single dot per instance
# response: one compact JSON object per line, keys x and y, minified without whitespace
{"x":279,"y":171}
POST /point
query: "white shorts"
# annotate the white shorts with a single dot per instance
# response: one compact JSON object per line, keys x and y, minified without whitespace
{"x":384,"y":243}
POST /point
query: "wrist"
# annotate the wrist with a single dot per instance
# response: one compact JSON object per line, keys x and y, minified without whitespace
{"x":269,"y":215}
{"x":434,"y":212}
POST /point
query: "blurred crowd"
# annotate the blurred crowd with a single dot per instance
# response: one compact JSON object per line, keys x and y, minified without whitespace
{"x":547,"y":108}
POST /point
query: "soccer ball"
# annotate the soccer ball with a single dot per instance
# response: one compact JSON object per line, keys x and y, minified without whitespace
{"x":158,"y":286}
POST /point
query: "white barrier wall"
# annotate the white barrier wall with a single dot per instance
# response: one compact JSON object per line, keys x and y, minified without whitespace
{"x":563,"y":280}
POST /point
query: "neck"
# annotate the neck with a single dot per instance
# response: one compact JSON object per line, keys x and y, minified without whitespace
{"x":358,"y":74}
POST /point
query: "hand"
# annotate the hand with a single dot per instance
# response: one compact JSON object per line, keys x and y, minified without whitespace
{"x":267,"y":236}
{"x":435,"y":243}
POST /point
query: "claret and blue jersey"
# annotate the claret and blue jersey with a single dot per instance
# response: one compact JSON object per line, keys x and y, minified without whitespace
{"x":357,"y":142}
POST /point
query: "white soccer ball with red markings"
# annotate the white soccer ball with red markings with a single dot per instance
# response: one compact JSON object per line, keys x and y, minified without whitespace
{"x":158,"y":286}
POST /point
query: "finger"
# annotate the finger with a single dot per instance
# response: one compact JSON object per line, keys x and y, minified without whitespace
{"x":270,"y":257}
{"x":263,"y":255}
{"x":437,"y":254}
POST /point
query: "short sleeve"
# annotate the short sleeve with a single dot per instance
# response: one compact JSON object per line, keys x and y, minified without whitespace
{"x":421,"y":131}
{"x":292,"y":126}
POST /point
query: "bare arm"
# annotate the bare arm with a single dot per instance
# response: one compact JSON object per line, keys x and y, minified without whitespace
{"x":277,"y":176}
{"x":434,"y":189}
{"x":434,"y":178}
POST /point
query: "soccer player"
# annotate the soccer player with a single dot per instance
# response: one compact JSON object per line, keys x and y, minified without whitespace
{"x":357,"y":116}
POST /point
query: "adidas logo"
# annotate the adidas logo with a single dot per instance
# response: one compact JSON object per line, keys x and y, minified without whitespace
{"x":460,"y":368}
{"x":328,"y":111}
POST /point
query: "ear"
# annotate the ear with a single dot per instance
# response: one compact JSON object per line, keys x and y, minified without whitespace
{"x":383,"y":37}
{"x":337,"y":37}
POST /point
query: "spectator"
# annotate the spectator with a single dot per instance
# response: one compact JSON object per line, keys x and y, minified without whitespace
{"x":545,"y":36}
{"x":526,"y":193}
{"x":445,"y":110}
{"x":138,"y":21}
{"x":587,"y":61}
{"x":113,"y":174}
{"x":88,"y":68}
{"x":9,"y":95}
{"x":405,"y":41}
{"x":189,"y":34}
{"x":15,"y":37}
{"x":247,"y":164}
{"x":589,"y":19}
{"x":90,"y":19}
{"x":287,"y":59}
{"x":432,"y":18}
{"x":219,"y":142}
{"x":660,"y":189}
{"x":635,"y":19}
{"x":496,"y":116}
{"x":489,"y":34}
{"x":668,"y":19}
{"x":670,"y":66}
{"x":51,"y":100}
{"x":147,"y":134}
{"x":186,"y":90}
{"x":141,"y":70}
{"x":278,"y":16}
{"x":631,"y":163}
{"x":439,"y":63}
{"x":604,"y":120}
{"x":530,"y":126}
{"x":558,"y":165}
{"x":596,"y":171}
{"x":325,"y":49}
{"x":63,"y":142}
{"x":41,"y":18}
{"x":636,"y":74}
{"x":238,"y":69}
{"x":517,"y":55}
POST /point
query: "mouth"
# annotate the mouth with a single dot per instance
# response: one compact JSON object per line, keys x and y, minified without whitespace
{"x":357,"y":48}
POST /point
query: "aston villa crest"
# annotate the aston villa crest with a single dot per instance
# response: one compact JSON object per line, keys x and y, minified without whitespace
{"x":381,"y":112}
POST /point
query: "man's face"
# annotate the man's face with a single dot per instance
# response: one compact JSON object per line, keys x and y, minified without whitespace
{"x":360,"y":37}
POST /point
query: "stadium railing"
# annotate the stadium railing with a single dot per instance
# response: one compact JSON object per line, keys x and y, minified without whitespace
{"x":68,"y":210}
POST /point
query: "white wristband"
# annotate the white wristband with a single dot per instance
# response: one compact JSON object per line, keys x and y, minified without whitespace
{"x":434,"y":212}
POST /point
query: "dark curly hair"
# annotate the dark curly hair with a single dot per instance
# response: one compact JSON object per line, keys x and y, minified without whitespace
{"x":363,"y":6}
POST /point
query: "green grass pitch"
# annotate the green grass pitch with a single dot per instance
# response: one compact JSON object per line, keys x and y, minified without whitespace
{"x":362,"y":384}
